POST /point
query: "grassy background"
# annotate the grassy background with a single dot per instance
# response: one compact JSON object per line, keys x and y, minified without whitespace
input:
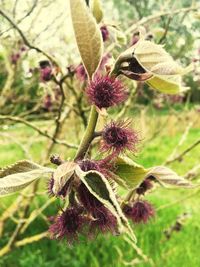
{"x":180,"y":250}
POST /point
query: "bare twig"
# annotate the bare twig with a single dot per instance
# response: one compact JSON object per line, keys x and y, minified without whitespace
{"x":26,"y":41}
{"x":56,"y":141}
{"x":181,"y":155}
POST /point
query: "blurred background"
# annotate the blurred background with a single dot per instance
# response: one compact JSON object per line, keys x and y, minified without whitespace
{"x":35,"y":31}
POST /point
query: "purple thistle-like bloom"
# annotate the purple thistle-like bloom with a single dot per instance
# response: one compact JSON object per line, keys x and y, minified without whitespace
{"x":46,"y":74}
{"x":144,"y":186}
{"x":139,"y":212}
{"x":105,"y":92}
{"x":90,"y":202}
{"x":104,"y":33}
{"x":88,"y":165}
{"x":68,"y":225}
{"x":118,"y":136}
{"x":101,"y":166}
{"x":102,"y":219}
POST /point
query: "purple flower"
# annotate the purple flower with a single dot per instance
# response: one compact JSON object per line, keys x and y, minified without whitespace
{"x":118,"y":136}
{"x":46,"y":74}
{"x":104,"y":33}
{"x":88,"y":165}
{"x":102,"y":219}
{"x":139,"y":212}
{"x":144,"y":186}
{"x":68,"y":225}
{"x":105,"y":92}
{"x":90,"y":202}
{"x":23,"y":48}
{"x":15,"y":58}
{"x":81,"y":72}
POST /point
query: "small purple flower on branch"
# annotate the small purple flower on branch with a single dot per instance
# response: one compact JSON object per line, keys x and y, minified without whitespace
{"x":139,"y":212}
{"x":105,"y":92}
{"x":68,"y":225}
{"x":104,"y":221}
{"x":118,"y":136}
{"x":144,"y":186}
{"x":46,"y":74}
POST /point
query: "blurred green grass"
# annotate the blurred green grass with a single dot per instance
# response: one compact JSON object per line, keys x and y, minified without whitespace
{"x":180,"y":250}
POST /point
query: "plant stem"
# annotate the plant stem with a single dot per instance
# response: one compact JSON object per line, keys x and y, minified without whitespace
{"x":89,"y":133}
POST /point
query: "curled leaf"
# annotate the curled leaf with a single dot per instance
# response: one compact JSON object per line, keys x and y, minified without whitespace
{"x":149,"y":62}
{"x":62,"y":174}
{"x":166,"y":176}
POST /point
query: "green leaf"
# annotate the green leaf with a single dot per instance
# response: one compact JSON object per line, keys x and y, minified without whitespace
{"x":168,"y":85}
{"x":99,"y":186}
{"x":88,"y":35}
{"x":19,"y":166}
{"x":20,"y":175}
{"x":62,"y":174}
{"x":130,"y":172}
{"x":166,"y":176}
{"x":97,"y":10}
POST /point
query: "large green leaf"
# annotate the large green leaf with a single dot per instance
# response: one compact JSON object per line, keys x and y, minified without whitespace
{"x":131,"y":173}
{"x":19,"y":175}
{"x":88,"y":35}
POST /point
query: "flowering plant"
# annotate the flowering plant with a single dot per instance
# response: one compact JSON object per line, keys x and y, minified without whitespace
{"x":87,"y":184}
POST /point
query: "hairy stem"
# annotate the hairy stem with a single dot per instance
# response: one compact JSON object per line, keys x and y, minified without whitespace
{"x":89,"y":133}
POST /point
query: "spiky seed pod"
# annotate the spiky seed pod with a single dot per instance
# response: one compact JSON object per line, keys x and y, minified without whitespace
{"x":139,"y":212}
{"x":118,"y":136}
{"x":105,"y":92}
{"x":68,"y":225}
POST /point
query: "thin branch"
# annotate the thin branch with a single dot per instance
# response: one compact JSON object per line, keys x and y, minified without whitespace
{"x":181,"y":155}
{"x":56,"y":141}
{"x":148,"y":19}
{"x":26,"y":41}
